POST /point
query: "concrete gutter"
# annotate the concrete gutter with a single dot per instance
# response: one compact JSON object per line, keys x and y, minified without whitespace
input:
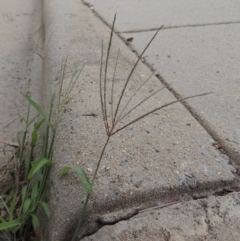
{"x":164,"y":156}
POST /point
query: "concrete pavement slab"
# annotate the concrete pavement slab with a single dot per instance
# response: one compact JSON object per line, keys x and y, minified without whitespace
{"x":139,"y":15}
{"x":201,"y":59}
{"x":164,"y":155}
{"x":213,"y":218}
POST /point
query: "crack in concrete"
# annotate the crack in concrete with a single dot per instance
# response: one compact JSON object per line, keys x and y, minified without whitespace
{"x":178,"y":26}
{"x":124,"y":215}
{"x":112,"y":218}
{"x":155,"y":29}
{"x":204,"y":205}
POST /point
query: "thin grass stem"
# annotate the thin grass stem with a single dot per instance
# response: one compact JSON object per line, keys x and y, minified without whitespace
{"x":130,"y":75}
{"x":141,"y":102}
{"x":63,"y":68}
{"x":112,"y":89}
{"x":156,"y":109}
{"x":130,"y":99}
{"x":101,"y":91}
{"x":81,"y":219}
{"x":105,"y":75}
{"x":47,"y":126}
{"x":99,"y":161}
{"x":25,"y":131}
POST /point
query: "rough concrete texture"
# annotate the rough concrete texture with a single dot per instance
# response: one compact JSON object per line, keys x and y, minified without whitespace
{"x":165,"y":155}
{"x":190,"y":59}
{"x":20,"y":71}
{"x":213,"y":218}
{"x":213,"y":71}
{"x":19,"y":32}
{"x":139,"y":15}
{"x":201,"y":60}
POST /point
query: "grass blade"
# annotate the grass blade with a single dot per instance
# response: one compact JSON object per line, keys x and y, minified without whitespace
{"x":46,"y":208}
{"x":35,"y":221}
{"x":39,"y":109}
{"x":35,"y":132}
{"x":11,"y":224}
{"x":13,"y":204}
{"x":45,"y":192}
{"x":34,"y":193}
{"x":29,"y":123}
{"x":26,"y":205}
{"x":141,"y":102}
{"x":64,"y":171}
{"x":105,"y":75}
{"x":130,"y":75}
{"x":121,"y":113}
{"x":112,"y":90}
{"x":101,"y":92}
{"x":24,"y":192}
{"x":34,"y":138}
{"x":156,"y":109}
{"x":5,"y":205}
{"x":2,"y":220}
{"x":83,"y":178}
{"x":38,"y":165}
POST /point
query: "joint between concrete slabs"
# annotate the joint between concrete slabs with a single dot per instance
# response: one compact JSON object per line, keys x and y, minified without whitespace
{"x":212,"y":218}
{"x":176,"y":26}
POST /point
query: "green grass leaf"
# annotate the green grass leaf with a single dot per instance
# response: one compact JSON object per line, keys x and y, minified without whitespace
{"x":13,"y":204}
{"x":34,"y":193}
{"x":2,"y":220}
{"x":35,"y":132}
{"x":39,"y":109}
{"x":11,"y":224}
{"x":6,"y":206}
{"x":45,"y":192}
{"x":34,"y":138}
{"x":37,"y":166}
{"x":83,"y":178}
{"x":35,"y":221}
{"x":24,"y":192}
{"x":64,"y":171}
{"x":23,"y":119}
{"x":29,"y":123}
{"x":27,"y":164}
{"x":26,"y":205}
{"x":45,"y":208}
{"x":37,"y":126}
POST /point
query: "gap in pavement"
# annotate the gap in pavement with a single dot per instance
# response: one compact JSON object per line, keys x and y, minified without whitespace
{"x":176,"y":26}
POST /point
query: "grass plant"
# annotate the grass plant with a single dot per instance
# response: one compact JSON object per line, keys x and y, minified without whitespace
{"x":112,"y":123}
{"x":22,"y":200}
